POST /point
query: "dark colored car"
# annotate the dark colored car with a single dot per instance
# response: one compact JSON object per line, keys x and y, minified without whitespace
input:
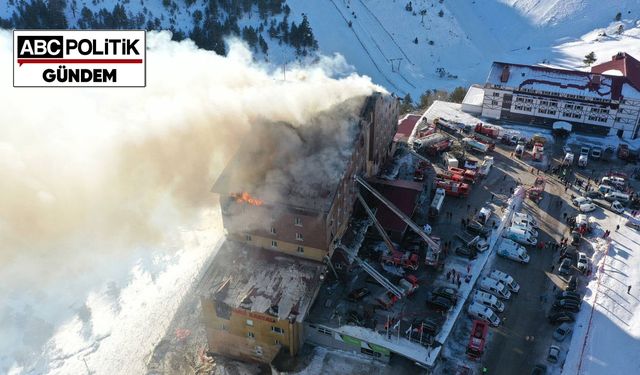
{"x":438,"y":303}
{"x":566,"y":305}
{"x":561,"y":317}
{"x":477,"y":228}
{"x":539,"y":370}
{"x":429,"y":326}
{"x":565,"y":267}
{"x":569,"y":294}
{"x":570,"y":253}
{"x":448,"y":293}
{"x":575,"y":238}
{"x":358,"y":294}
{"x":594,"y":194}
{"x":466,"y":252}
{"x":572,"y":283}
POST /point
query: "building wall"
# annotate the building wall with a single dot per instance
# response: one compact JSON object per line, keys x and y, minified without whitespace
{"x":295,"y":231}
{"x":493,"y":102}
{"x":298,"y":248}
{"x":598,"y":116}
{"x":324,"y":336}
{"x":316,"y":229}
{"x":249,"y":336}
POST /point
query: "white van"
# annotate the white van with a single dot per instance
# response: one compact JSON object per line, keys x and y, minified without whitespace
{"x":481,"y":312}
{"x":618,"y":182}
{"x":616,"y":196}
{"x":583,"y":160}
{"x":494,"y":287}
{"x":520,"y":235}
{"x":604,"y":189}
{"x":488,"y":300}
{"x":506,"y":279}
{"x":522,"y":216}
{"x":513,"y":251}
{"x":568,"y":159}
{"x":526,"y":226}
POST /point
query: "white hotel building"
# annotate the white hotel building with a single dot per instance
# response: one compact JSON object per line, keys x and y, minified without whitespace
{"x":604,"y":101}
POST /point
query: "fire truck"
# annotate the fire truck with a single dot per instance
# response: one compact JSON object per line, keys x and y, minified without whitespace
{"x":468,"y":175}
{"x":407,"y":259}
{"x":452,"y":188}
{"x":450,"y":176}
{"x":489,"y":130}
{"x":477,"y":340}
{"x":537,"y":152}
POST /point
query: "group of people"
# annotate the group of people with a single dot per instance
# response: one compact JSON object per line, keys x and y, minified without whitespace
{"x":453,"y":277}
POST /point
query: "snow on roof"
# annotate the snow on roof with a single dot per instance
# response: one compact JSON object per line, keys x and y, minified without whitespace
{"x":562,"y":125}
{"x":568,"y":82}
{"x":406,"y":126}
{"x":258,"y":280}
{"x":474,"y":96}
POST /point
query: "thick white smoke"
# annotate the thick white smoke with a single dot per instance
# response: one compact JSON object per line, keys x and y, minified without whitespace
{"x":101,"y":187}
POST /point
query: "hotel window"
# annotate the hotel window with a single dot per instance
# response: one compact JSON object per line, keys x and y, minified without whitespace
{"x":299,"y":237}
{"x":496,"y":94}
{"x":250,"y":322}
{"x":272,"y":230}
{"x":274,"y":243}
{"x":278,"y":330}
{"x":251,"y":335}
{"x":297,"y":221}
{"x":300,"y":249}
{"x":247,"y":237}
{"x":223,"y":327}
{"x":276,"y":342}
{"x":494,"y":102}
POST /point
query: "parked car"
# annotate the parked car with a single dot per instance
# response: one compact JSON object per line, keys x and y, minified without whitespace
{"x":562,"y":331}
{"x":587,"y":207}
{"x":477,"y":228}
{"x":575,"y":238}
{"x":506,"y":279}
{"x":438,"y":303}
{"x":560,"y":317}
{"x":539,"y":370}
{"x":617,"y":196}
{"x":572,"y":283}
{"x":449,"y":293}
{"x":565,"y":267}
{"x":617,"y":207}
{"x":570,"y":299}
{"x":578,"y":201}
{"x":358,"y":294}
{"x":467,"y":252}
{"x":484,"y":313}
{"x":583,"y":262}
{"x":569,"y":294}
{"x":594,"y":194}
{"x":553,"y":355}
{"x":566,"y":305}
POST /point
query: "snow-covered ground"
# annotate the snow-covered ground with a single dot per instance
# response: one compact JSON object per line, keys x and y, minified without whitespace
{"x":606,"y":338}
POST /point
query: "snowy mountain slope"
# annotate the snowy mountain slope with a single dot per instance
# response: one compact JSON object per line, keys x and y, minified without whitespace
{"x":466,"y":39}
{"x":456,"y":40}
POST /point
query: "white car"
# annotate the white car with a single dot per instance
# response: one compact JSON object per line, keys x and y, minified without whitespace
{"x":583,"y":262}
{"x":587,"y":207}
{"x":525,"y":226}
{"x":617,"y":207}
{"x":579,"y":201}
{"x":506,"y":279}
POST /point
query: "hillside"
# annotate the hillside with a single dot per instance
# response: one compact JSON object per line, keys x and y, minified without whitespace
{"x":406,"y":46}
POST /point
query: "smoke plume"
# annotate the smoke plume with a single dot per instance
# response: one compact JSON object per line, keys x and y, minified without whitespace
{"x":92,"y":178}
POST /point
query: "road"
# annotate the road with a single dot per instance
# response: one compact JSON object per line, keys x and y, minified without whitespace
{"x":525,"y":336}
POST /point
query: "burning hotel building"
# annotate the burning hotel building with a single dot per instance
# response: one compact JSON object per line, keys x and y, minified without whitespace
{"x":286,"y":199}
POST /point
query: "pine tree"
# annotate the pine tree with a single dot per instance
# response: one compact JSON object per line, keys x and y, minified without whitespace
{"x":590,"y":58}
{"x":618,"y":16}
{"x":457,"y":95}
{"x":407,"y":104}
{"x":426,"y":99}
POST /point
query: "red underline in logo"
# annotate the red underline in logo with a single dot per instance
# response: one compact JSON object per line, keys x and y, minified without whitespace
{"x":79,"y":61}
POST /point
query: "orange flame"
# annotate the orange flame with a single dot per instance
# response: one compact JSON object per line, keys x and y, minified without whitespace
{"x":247,"y":198}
